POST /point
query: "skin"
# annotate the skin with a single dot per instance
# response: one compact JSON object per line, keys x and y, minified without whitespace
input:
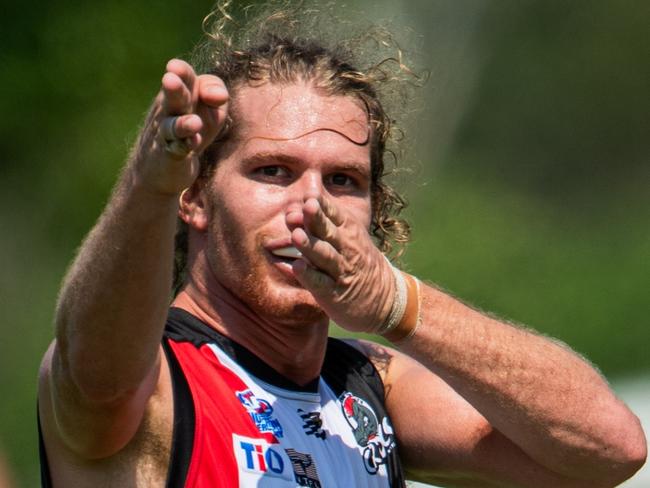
{"x":6,"y":480}
{"x":496,"y":405}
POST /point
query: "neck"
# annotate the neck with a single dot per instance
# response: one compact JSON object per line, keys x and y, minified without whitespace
{"x":296,"y":351}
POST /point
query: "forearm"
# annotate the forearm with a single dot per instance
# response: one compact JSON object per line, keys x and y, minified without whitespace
{"x":539,"y":395}
{"x":537,"y":392}
{"x":113,"y":302}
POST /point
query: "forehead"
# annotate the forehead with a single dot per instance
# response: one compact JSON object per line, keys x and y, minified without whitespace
{"x":288,"y":112}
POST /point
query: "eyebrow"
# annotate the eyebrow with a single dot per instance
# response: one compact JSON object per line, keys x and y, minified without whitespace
{"x":362,"y":168}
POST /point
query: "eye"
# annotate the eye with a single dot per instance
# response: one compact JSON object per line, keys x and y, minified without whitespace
{"x":341,"y":180}
{"x":272,"y":171}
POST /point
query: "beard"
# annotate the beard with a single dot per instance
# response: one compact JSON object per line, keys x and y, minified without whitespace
{"x":291,"y":306}
{"x":242,"y":266}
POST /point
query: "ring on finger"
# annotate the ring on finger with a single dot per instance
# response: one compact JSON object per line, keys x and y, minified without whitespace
{"x":174,"y":145}
{"x":168,"y":129}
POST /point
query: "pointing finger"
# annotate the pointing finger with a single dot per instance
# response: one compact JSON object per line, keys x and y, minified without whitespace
{"x":184,"y":71}
{"x":177,"y":98}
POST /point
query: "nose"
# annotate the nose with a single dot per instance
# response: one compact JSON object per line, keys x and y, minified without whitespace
{"x":308,"y":185}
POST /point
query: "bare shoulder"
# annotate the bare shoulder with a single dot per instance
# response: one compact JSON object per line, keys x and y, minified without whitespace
{"x":447,"y":427}
{"x":408,"y":385}
{"x":133,"y":457}
{"x":389,"y":362}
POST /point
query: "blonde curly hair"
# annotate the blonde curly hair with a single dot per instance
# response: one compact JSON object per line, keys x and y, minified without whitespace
{"x":288,"y":41}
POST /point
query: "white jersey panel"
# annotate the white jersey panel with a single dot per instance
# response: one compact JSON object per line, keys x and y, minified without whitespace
{"x":318,"y":440}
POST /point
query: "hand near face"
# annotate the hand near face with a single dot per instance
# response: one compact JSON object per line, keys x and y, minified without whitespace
{"x":350,"y":279}
{"x":186,"y":116}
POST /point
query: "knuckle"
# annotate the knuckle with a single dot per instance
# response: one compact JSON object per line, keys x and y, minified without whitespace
{"x":328,"y":233}
{"x":353,"y":264}
{"x":345,"y":281}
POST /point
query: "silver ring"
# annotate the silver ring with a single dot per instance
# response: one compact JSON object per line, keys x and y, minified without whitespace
{"x":168,"y":129}
{"x":174,"y":145}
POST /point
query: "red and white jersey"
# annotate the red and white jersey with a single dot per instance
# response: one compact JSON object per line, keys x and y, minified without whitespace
{"x":238,"y":423}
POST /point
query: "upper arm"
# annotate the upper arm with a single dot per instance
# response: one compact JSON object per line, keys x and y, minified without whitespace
{"x":89,"y":429}
{"x":442,"y":438}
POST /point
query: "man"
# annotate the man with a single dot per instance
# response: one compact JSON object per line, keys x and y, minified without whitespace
{"x":274,"y":167}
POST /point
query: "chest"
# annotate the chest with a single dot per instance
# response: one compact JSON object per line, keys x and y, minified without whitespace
{"x":250,"y":433}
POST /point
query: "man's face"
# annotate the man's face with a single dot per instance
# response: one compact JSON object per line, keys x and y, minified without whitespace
{"x":290,"y":143}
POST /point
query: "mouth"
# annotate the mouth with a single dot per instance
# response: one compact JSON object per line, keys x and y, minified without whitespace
{"x":287,"y":254}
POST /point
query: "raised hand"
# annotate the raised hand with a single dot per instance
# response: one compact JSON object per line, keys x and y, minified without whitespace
{"x":350,"y":279}
{"x":186,"y":115}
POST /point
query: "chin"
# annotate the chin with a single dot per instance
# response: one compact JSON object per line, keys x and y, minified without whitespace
{"x":302,"y":314}
{"x":282,"y":302}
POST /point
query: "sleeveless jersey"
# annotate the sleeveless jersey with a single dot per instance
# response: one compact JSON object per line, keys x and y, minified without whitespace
{"x":239,"y":423}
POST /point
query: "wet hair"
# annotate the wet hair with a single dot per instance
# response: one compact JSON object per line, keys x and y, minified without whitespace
{"x":286,"y":42}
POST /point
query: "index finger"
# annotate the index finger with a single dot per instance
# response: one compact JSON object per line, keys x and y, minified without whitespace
{"x":178,"y":86}
{"x":177,"y":98}
{"x":184,"y":71}
{"x":331,"y":210}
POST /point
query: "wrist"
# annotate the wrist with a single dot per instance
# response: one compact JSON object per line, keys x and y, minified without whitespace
{"x":138,"y":203}
{"x":137,"y":185}
{"x":404,"y":316}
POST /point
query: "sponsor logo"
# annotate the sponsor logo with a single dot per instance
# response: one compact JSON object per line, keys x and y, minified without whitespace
{"x":313,"y":424}
{"x":304,"y":469}
{"x":261,"y":458}
{"x":261,"y":413}
{"x":375,"y":438}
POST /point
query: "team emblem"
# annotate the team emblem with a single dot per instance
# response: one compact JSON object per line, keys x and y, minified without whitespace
{"x":376,"y":439}
{"x":261,"y":413}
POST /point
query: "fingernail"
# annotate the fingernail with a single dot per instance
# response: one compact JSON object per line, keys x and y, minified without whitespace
{"x":216,"y":91}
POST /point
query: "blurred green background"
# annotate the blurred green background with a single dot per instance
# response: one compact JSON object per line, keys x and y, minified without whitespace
{"x":529,"y":182}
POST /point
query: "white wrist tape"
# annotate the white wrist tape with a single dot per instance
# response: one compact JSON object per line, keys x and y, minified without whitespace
{"x":399,"y":303}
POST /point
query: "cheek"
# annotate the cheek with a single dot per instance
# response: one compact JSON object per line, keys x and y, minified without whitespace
{"x":255,"y":205}
{"x":242,"y":211}
{"x":231,"y":222}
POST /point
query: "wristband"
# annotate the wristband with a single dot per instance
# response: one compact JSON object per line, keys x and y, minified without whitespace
{"x":404,"y":317}
{"x":399,"y":303}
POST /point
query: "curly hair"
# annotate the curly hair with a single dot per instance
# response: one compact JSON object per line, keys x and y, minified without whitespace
{"x":283,"y":42}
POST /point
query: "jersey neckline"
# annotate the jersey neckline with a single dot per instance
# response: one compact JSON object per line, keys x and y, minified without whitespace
{"x":182,"y":326}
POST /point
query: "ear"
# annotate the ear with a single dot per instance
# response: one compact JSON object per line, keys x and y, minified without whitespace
{"x":192,"y":207}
